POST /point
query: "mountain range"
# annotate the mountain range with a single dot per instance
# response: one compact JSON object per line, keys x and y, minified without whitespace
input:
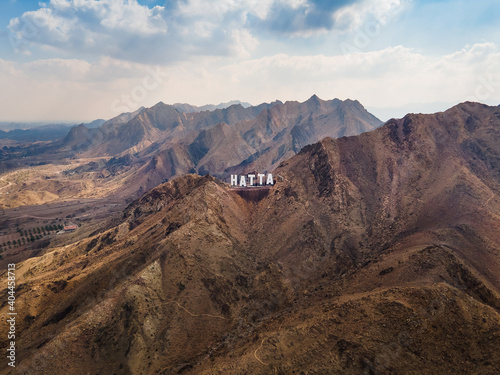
{"x":372,"y":254}
{"x":43,"y":132}
{"x":32,"y":132}
{"x":153,"y":145}
{"x":189,"y":108}
{"x":211,"y":142}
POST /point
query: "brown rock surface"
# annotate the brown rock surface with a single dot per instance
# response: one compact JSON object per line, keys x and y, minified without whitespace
{"x":135,"y":152}
{"x":374,"y":254}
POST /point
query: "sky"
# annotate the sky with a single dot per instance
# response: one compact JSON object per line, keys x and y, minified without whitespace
{"x":80,"y":60}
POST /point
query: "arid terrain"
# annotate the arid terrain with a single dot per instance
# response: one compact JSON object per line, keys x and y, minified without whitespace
{"x":97,"y":169}
{"x":372,"y":254}
{"x":130,"y":154}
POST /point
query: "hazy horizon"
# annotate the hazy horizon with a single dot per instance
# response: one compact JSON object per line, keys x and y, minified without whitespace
{"x":77,"y":61}
{"x":383,"y":114}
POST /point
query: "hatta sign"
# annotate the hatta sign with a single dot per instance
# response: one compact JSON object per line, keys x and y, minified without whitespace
{"x":252,"y":180}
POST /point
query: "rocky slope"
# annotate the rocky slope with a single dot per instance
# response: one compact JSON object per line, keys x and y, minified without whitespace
{"x":258,"y":144}
{"x":280,"y":132}
{"x":163,"y":142}
{"x":375,"y":254}
{"x":153,"y":126}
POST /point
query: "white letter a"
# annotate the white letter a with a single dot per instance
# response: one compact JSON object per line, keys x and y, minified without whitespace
{"x":269,"y":179}
{"x":243,"y":181}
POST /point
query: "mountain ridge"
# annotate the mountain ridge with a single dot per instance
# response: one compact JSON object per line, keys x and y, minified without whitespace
{"x":373,"y":253}
{"x":188,"y":108}
{"x":164,"y":143}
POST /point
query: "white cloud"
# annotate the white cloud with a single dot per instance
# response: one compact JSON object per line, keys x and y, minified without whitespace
{"x":393,"y":77}
{"x":65,"y":89}
{"x":113,"y":27}
{"x":182,"y":29}
{"x":218,"y":10}
{"x":355,"y":15}
{"x":127,"y":30}
{"x":59,"y":69}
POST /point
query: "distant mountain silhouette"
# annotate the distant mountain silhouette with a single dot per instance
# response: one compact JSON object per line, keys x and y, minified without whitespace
{"x":43,"y":132}
{"x":188,"y":108}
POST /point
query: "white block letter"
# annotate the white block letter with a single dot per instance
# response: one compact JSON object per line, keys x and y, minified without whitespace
{"x":251,"y":177}
{"x":270,"y":179}
{"x":261,"y":178}
{"x":243,"y":181}
{"x":234,"y":180}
